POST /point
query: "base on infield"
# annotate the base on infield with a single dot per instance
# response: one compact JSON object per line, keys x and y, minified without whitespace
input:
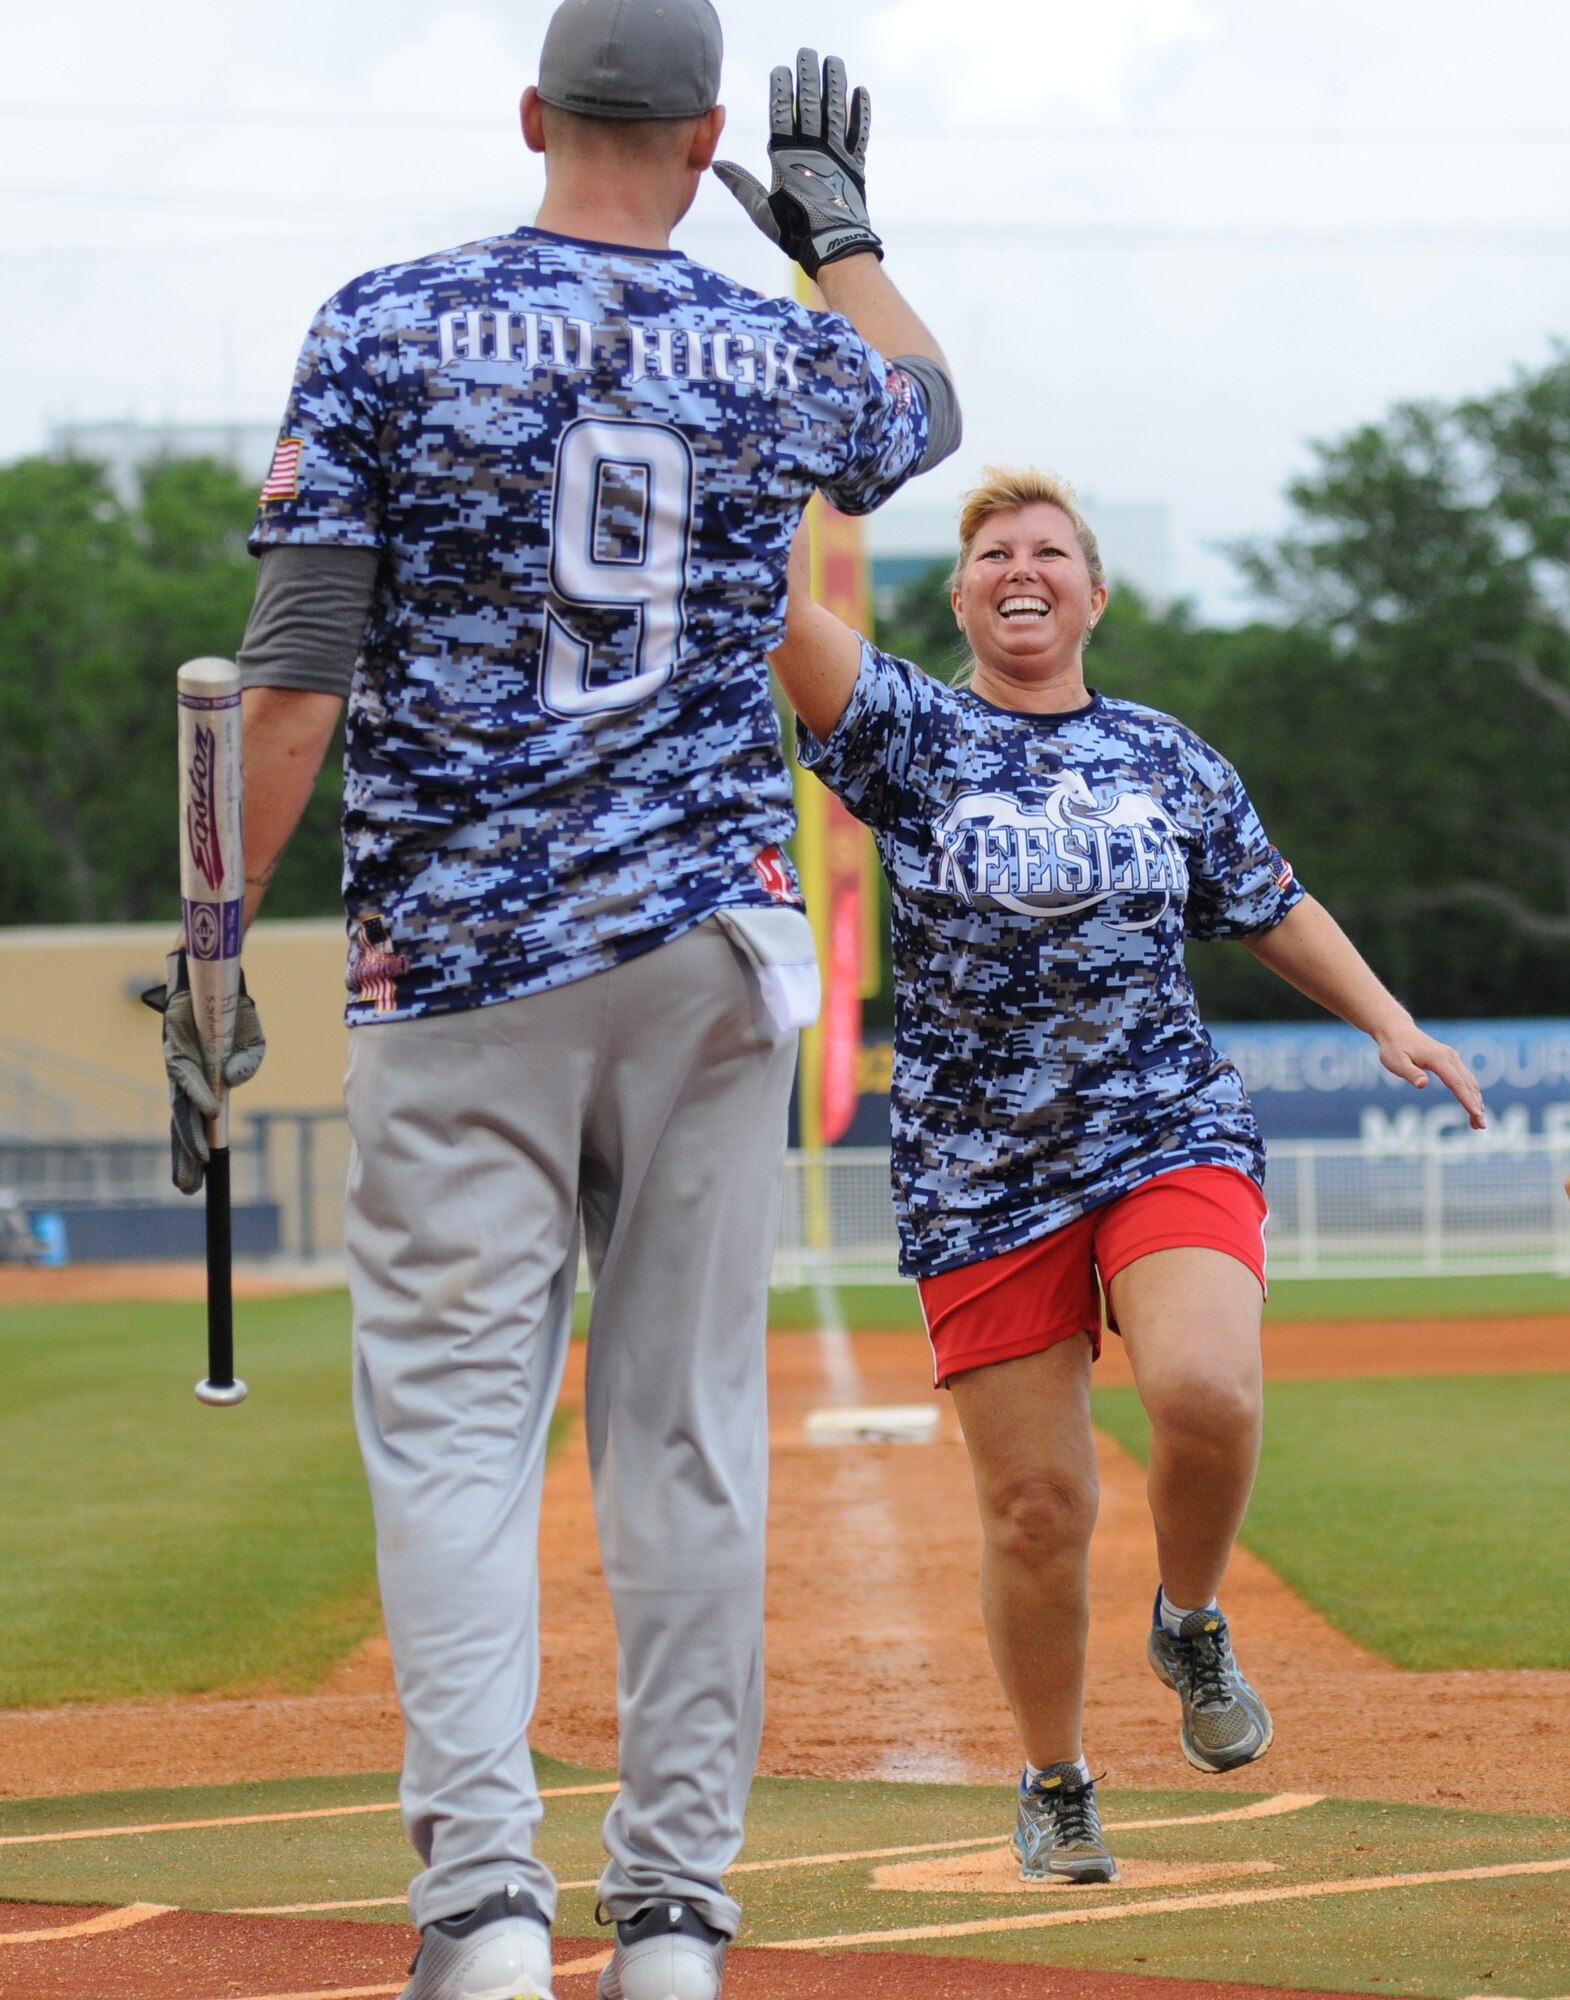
{"x":892,"y":1423}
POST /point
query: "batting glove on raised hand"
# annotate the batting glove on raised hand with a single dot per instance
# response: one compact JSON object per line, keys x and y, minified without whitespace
{"x":817,"y":208}
{"x":191,"y":1099}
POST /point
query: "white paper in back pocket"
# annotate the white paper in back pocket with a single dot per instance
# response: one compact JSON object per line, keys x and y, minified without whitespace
{"x":778,"y":945}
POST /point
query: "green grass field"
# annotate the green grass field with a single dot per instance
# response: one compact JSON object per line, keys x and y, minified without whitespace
{"x":1416,"y":1298}
{"x":149,"y":1546}
{"x":872,"y":1307}
{"x":817,"y":1866}
{"x":1426,"y":1517}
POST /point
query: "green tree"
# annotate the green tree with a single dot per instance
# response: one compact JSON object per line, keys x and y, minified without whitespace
{"x":99,"y":603}
{"x":1431,"y":559}
{"x":920,"y":623}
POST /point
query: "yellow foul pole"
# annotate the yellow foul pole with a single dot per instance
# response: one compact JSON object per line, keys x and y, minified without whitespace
{"x":835,"y":858}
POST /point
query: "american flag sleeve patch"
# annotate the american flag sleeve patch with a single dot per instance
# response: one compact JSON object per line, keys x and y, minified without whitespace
{"x":283,"y":477}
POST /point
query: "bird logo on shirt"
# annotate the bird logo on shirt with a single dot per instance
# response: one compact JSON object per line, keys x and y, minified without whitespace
{"x":1061,"y":855}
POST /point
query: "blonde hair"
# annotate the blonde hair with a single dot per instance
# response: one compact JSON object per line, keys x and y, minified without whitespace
{"x":1004,"y":488}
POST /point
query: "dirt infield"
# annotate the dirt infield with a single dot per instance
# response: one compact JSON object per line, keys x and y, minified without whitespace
{"x":151,"y":1284}
{"x":877,"y":1660}
{"x":183,"y":1955}
{"x":877,"y":1667}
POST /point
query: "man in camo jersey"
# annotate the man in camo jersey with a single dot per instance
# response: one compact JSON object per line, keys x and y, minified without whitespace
{"x":530,"y":512}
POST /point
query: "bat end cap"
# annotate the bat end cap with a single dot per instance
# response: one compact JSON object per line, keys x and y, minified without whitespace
{"x":209,"y":675}
{"x":221,"y":1394}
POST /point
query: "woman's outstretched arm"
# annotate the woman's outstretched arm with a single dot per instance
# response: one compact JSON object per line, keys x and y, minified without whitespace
{"x":820,"y":656}
{"x":1309,"y":950}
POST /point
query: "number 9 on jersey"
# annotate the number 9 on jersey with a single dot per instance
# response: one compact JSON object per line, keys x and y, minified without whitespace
{"x":621,"y":528}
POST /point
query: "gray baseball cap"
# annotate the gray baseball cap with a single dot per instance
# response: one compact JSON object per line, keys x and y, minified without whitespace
{"x":632,"y":58}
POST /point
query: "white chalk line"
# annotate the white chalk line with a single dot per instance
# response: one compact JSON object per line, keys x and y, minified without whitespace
{"x":111,"y":1920}
{"x":338,"y":1993}
{"x":1271,"y":1808}
{"x":1282,"y":1802}
{"x":859,"y":1488}
{"x":246,"y":1819}
{"x":924,"y":1933}
{"x":580,"y":1968}
{"x":319,"y":1909}
{"x":572,"y":1968}
{"x":1168,"y":1905}
{"x":184,"y":1825}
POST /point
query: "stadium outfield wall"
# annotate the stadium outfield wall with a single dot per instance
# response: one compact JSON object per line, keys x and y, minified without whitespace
{"x":1366,"y":1177}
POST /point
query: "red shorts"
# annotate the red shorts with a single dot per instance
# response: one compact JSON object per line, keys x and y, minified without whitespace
{"x":1031,"y":1298}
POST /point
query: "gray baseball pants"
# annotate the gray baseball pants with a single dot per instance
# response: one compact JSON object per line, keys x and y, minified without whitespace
{"x":650,"y":1101}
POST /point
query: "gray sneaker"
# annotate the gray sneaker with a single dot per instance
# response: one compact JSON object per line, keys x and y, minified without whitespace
{"x":665,"y":1952}
{"x":499,"y":1951}
{"x":1225,"y":1723}
{"x":1058,"y":1829}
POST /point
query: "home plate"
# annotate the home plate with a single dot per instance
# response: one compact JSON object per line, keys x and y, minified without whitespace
{"x":894,"y":1423}
{"x":994,"y":1871}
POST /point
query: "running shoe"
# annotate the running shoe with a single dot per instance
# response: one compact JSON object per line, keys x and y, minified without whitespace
{"x":500,"y":1951}
{"x":1225,"y":1723}
{"x":665,"y":1952}
{"x":1058,"y":1829}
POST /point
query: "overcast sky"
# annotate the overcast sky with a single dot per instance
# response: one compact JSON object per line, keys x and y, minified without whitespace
{"x":1165,"y":242}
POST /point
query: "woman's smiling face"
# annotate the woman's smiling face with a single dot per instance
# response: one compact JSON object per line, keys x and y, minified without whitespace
{"x":1025,"y":598}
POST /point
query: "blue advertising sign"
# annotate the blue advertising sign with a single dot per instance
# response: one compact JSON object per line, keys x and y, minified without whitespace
{"x":1311,"y":1082}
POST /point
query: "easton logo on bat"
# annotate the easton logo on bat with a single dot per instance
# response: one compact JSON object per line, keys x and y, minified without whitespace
{"x":201,"y":812}
{"x":212,"y":930}
{"x":204,"y":930}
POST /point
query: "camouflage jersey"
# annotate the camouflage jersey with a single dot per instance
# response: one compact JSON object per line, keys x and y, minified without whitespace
{"x":582,"y":467}
{"x":1046,"y":869}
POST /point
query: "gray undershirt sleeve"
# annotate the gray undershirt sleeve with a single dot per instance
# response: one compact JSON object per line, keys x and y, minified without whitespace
{"x":944,"y":428}
{"x":308,"y":619}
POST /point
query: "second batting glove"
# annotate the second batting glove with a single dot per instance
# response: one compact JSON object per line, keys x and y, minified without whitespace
{"x":817,"y":208}
{"x":191,"y":1099}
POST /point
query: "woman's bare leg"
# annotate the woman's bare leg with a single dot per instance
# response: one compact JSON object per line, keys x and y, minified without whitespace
{"x":1190,"y":1322}
{"x":1027,"y":1428}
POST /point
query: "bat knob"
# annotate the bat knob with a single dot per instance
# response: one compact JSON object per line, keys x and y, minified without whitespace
{"x":221,"y":1394}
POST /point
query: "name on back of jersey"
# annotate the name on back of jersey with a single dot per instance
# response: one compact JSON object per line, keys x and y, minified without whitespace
{"x":558,"y":343}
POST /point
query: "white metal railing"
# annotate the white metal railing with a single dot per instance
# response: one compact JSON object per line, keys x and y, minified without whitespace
{"x":1338,"y":1208}
{"x":1449,"y":1207}
{"x":1456,"y":1206}
{"x":296,"y":1160}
